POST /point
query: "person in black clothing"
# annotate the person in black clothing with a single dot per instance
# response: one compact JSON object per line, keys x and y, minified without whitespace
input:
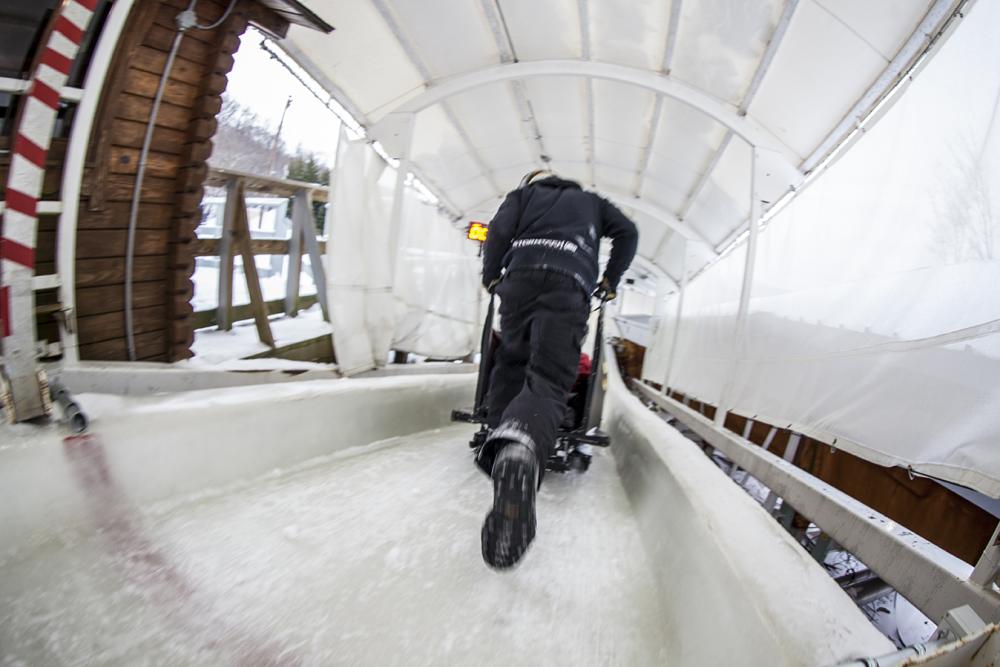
{"x":543,"y":242}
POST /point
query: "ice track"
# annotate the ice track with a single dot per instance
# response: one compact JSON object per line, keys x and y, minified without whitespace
{"x":368,"y":556}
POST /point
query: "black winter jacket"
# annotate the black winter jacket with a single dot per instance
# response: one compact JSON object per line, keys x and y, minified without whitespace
{"x":553,"y":224}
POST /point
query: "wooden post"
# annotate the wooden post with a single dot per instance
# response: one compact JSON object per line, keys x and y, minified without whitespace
{"x":294,"y":261}
{"x":234,"y":190}
{"x":241,"y":237}
{"x":307,"y":230}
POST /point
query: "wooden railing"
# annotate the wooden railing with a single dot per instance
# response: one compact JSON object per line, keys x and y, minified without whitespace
{"x":236,"y":239}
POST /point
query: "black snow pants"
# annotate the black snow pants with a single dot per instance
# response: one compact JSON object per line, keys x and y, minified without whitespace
{"x":543,"y":320}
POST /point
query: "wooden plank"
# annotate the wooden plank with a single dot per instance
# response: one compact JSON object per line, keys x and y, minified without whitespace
{"x":145,"y":84}
{"x":150,"y":345}
{"x":119,"y":187}
{"x":209,"y":318}
{"x":115,"y":216}
{"x":137,"y":108}
{"x":160,"y":38}
{"x":318,"y":349}
{"x":210,"y":247}
{"x":242,"y":239}
{"x":130,"y":134}
{"x":109,"y":271}
{"x":106,"y":326}
{"x":273,"y":186}
{"x":111,"y":298}
{"x":126,"y":161}
{"x":225,"y":293}
{"x":153,"y":61}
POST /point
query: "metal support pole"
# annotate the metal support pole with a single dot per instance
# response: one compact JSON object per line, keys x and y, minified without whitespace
{"x":987,"y":572}
{"x":739,"y":332}
{"x":72,"y":181}
{"x":403,"y":135}
{"x":680,"y":312}
{"x":790,"y":450}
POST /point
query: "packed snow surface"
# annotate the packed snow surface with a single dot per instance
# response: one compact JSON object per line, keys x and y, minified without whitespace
{"x":367,"y":556}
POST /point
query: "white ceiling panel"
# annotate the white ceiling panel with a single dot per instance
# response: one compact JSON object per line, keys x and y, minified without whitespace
{"x":543,"y":30}
{"x":651,"y":231}
{"x":614,"y":177}
{"x":630,"y":33}
{"x":472,"y":192}
{"x":559,"y":109}
{"x":489,"y":115}
{"x":816,"y":77}
{"x":685,"y":142}
{"x":885,"y":24}
{"x":621,"y":113}
{"x":439,"y":150}
{"x":724,"y":202}
{"x":450,"y":37}
{"x":665,"y":194}
{"x":831,"y":53}
{"x":720,"y":44}
{"x":361,"y":56}
{"x":625,"y":156}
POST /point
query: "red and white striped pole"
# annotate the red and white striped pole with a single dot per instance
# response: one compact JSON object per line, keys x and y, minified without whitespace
{"x":32,"y":139}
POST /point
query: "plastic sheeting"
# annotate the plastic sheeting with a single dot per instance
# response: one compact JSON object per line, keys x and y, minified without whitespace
{"x":874,"y":322}
{"x":416,"y":291}
{"x":438,"y":300}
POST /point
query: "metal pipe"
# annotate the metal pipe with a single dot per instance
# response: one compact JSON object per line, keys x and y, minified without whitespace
{"x":83,"y":121}
{"x":72,"y":412}
{"x":182,"y":27}
{"x":185,"y":20}
{"x":897,"y":658}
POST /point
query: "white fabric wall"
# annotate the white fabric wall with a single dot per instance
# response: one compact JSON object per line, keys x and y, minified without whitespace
{"x":436,"y":294}
{"x":427,"y":303}
{"x":875,"y":315}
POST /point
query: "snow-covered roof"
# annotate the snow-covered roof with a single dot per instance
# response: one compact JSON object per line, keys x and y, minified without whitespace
{"x":650,"y":102}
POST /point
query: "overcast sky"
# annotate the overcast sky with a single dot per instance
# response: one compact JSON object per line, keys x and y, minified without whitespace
{"x":262,"y":84}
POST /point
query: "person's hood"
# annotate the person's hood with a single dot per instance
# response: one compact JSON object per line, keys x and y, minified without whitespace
{"x":556,"y":182}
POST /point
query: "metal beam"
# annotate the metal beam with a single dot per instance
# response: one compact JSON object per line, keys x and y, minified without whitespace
{"x":929,"y":577}
{"x":743,"y":126}
{"x":672,"y":30}
{"x":933,"y":25}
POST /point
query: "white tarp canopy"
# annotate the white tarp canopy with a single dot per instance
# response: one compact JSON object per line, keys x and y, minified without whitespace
{"x":638,"y":99}
{"x":874,"y":314}
{"x":871,"y":323}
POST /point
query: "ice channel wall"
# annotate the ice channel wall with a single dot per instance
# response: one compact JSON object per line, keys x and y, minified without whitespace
{"x":156,"y":447}
{"x":743,"y":591}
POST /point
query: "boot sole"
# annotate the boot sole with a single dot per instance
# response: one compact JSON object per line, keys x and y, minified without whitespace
{"x":509,"y":527}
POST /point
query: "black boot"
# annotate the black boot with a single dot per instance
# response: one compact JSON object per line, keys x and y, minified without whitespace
{"x":510,"y":526}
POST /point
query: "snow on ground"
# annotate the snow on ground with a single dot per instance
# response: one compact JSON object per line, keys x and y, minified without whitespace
{"x":213,"y":347}
{"x":368,"y":556}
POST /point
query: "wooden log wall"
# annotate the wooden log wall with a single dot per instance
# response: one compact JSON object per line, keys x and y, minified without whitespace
{"x":169,"y":210}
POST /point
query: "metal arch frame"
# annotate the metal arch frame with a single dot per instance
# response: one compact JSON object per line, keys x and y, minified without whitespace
{"x":744,"y":127}
{"x":72,"y":182}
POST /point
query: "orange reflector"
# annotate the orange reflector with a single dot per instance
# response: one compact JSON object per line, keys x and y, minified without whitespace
{"x":478,"y":231}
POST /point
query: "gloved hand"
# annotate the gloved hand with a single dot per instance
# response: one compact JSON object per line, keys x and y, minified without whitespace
{"x":493,"y":285}
{"x":604,"y":292}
